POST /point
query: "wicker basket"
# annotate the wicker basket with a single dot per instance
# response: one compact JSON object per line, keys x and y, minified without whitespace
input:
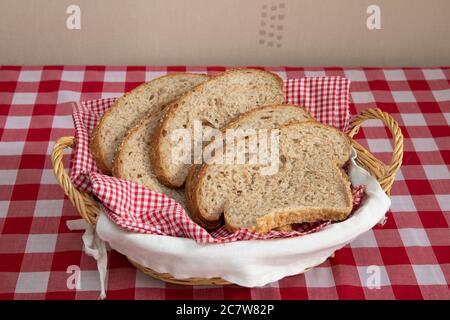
{"x":89,"y":208}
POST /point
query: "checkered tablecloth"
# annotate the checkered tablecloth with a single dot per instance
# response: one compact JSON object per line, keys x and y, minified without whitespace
{"x":407,"y":258}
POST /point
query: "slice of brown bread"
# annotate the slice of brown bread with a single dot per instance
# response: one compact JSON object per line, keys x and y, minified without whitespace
{"x":132,"y":161}
{"x":269,"y":117}
{"x":214,"y":103}
{"x":127,"y":111}
{"x":309,"y":186}
{"x":301,"y":196}
{"x":265,"y":117}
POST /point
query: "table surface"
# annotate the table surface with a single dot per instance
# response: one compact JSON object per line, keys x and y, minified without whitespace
{"x":407,"y":258}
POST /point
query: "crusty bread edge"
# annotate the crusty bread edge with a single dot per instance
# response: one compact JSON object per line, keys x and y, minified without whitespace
{"x":117,"y":168}
{"x":95,"y":144}
{"x":247,"y":114}
{"x":193,"y":210}
{"x":155,"y":156}
{"x":96,"y":147}
{"x":286,"y":228}
{"x":194,"y":198}
{"x":289,"y":217}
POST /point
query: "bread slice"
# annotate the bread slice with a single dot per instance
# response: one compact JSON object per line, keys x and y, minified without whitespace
{"x":309,"y":186}
{"x":127,"y":110}
{"x":265,"y":117}
{"x":305,"y":194}
{"x":269,"y":117}
{"x":214,"y":103}
{"x":132,"y":161}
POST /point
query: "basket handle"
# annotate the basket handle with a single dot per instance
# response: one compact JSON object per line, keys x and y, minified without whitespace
{"x":86,"y":206}
{"x":384,"y":175}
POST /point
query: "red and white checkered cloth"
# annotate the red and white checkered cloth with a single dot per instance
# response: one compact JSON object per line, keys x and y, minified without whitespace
{"x":133,"y":207}
{"x":410,"y":254}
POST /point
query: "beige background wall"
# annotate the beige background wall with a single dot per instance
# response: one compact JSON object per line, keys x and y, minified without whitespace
{"x":225,"y":32}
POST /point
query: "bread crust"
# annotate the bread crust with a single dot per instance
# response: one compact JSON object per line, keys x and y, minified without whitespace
{"x":279,"y":219}
{"x":190,"y":203}
{"x":155,"y":156}
{"x":267,"y":222}
{"x":248,"y":114}
{"x":117,"y":167}
{"x":187,"y":190}
{"x":96,"y":146}
{"x":286,"y":228}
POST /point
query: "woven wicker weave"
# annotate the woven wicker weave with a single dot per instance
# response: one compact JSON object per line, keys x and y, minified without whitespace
{"x":89,"y":209}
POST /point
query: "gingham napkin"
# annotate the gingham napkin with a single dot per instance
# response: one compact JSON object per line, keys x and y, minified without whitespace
{"x":133,"y":207}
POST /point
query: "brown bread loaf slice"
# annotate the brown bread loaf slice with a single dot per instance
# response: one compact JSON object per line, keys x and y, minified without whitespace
{"x":269,"y":117}
{"x":127,"y":111}
{"x":309,"y":186}
{"x":214,"y":103}
{"x":265,"y":117}
{"x":132,"y":161}
{"x":302,"y":196}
